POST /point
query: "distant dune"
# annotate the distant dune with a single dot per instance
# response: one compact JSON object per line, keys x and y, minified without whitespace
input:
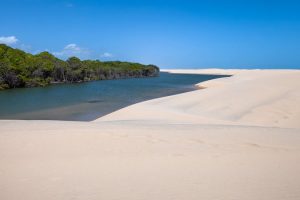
{"x":239,"y":138}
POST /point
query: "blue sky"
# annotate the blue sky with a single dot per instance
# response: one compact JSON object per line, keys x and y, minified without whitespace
{"x":170,"y":33}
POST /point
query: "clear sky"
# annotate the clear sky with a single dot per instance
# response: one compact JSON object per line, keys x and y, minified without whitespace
{"x":168,"y":33}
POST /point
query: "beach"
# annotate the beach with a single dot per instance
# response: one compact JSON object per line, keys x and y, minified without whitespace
{"x":236,"y":137}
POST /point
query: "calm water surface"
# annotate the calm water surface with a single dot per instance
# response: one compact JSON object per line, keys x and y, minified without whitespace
{"x":88,"y":101}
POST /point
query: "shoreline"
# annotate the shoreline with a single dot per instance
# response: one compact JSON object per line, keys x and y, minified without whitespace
{"x":261,"y":82}
{"x":237,"y":139}
{"x":89,"y":101}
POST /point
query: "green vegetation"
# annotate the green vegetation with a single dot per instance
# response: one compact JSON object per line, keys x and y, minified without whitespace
{"x":21,"y":69}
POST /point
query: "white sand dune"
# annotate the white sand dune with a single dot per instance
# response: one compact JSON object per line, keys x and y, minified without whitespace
{"x":251,"y":97}
{"x":237,"y":139}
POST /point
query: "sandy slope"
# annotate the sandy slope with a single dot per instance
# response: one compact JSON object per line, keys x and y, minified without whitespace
{"x":237,"y":139}
{"x":250,"y":97}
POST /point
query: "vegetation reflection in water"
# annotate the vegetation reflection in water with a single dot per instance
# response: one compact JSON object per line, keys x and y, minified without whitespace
{"x":90,"y":100}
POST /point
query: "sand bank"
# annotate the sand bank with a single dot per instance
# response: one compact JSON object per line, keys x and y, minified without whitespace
{"x":268,"y":98}
{"x":237,"y":139}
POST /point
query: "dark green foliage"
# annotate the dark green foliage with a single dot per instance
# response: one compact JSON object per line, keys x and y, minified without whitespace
{"x":21,"y":69}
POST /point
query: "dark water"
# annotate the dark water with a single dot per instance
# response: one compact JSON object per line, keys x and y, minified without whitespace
{"x":88,"y":101}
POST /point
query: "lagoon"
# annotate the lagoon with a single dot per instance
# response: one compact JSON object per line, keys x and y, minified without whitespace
{"x":91,"y":100}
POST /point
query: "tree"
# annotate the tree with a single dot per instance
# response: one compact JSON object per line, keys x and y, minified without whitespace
{"x":21,"y":69}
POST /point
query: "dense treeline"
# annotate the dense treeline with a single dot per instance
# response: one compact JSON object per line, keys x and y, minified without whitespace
{"x":21,"y":69}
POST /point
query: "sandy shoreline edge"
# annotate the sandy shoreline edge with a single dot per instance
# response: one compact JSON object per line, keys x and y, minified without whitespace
{"x":237,"y":139}
{"x":249,"y":97}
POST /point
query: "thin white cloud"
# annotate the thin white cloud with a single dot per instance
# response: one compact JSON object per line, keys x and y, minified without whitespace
{"x":72,"y":47}
{"x":10,"y":40}
{"x":72,"y":50}
{"x":106,"y":55}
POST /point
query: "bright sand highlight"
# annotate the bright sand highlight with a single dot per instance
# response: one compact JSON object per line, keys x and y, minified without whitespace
{"x":239,"y":138}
